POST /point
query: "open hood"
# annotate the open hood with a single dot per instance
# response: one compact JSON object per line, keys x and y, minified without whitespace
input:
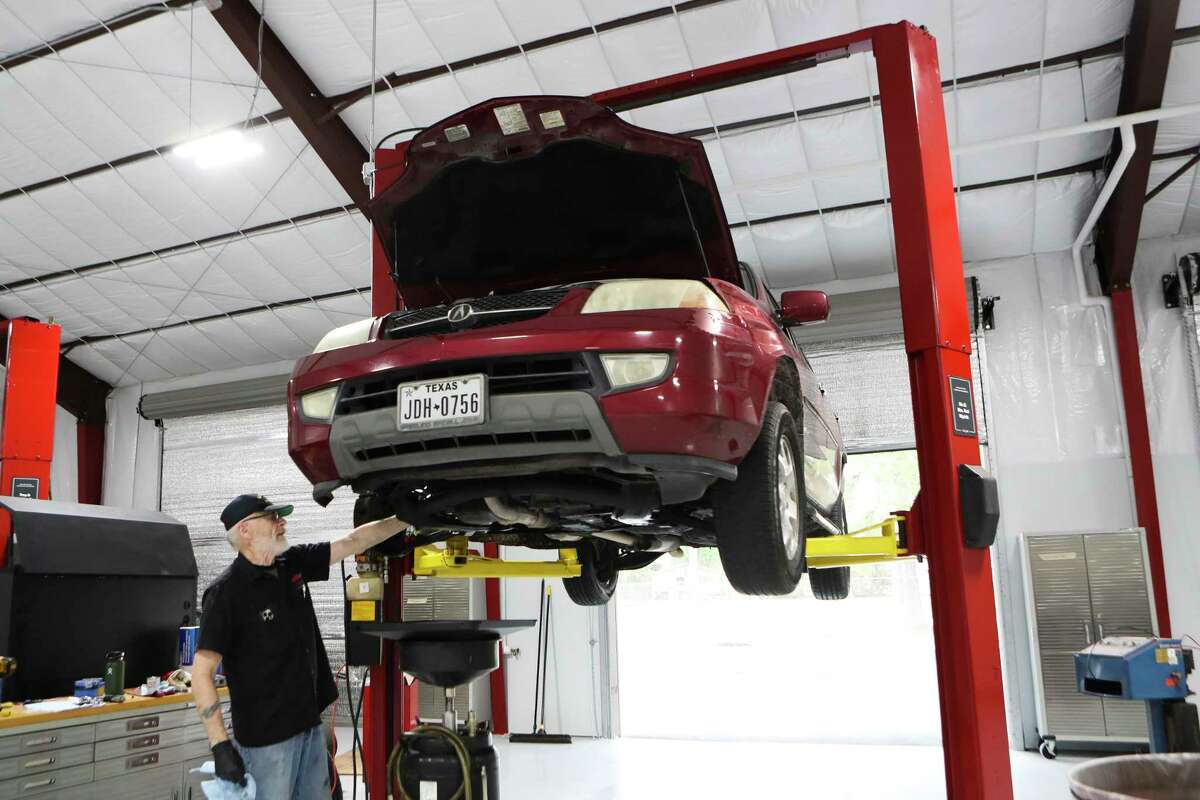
{"x":522,"y":192}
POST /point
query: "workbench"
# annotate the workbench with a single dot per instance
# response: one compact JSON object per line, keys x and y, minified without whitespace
{"x":141,"y":749}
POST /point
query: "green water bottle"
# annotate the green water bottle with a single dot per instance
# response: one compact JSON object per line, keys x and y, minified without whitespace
{"x":114,"y":672}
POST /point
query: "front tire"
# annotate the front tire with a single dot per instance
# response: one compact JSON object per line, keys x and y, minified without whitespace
{"x":832,"y":583}
{"x":760,"y":516}
{"x":598,"y":579}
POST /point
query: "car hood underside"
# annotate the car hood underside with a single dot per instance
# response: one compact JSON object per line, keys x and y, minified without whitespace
{"x":592,"y":197}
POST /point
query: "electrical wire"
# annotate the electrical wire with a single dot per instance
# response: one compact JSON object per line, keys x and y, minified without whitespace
{"x":379,"y":144}
{"x":355,"y":744}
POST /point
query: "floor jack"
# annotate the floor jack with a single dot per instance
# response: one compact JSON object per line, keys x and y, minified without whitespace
{"x":453,"y":759}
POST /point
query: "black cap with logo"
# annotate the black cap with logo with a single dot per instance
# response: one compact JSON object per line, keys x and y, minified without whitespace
{"x":244,"y":505}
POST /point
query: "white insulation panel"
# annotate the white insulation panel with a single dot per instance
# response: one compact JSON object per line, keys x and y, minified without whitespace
{"x":802,"y":189}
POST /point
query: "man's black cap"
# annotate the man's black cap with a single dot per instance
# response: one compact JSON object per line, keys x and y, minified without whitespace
{"x":244,"y":505}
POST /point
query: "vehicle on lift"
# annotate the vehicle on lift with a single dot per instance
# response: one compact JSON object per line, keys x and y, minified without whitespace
{"x":581,"y":361}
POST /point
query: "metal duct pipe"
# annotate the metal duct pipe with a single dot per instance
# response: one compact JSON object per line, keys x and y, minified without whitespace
{"x":516,"y":515}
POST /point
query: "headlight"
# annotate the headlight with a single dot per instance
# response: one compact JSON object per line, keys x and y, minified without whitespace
{"x":631,"y":369}
{"x":347,"y":335}
{"x":640,"y":295}
{"x":318,"y":405}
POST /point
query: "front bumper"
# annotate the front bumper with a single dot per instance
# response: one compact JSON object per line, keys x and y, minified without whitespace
{"x":518,"y":426}
{"x":707,"y":411}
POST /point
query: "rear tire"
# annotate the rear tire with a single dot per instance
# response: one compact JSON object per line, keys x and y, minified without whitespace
{"x":760,"y":516}
{"x":832,"y":583}
{"x":598,"y":579}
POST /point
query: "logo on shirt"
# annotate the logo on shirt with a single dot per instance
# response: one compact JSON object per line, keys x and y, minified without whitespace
{"x":267,"y":615}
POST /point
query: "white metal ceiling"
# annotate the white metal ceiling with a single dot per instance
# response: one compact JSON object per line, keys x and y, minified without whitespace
{"x":142,"y":229}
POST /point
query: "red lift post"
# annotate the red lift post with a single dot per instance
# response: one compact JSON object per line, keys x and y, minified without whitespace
{"x":937,"y":340}
{"x":27,"y":431}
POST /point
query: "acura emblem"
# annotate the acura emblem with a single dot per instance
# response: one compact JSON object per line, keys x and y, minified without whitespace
{"x":460,"y":313}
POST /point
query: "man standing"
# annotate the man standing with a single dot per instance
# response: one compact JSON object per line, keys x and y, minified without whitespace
{"x":258,"y":618}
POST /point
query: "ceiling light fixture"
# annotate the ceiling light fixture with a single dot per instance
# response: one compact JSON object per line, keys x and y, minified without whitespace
{"x":219,"y":149}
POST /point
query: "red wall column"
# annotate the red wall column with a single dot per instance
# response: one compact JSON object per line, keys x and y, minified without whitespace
{"x":1133,"y":392}
{"x":89,"y":438}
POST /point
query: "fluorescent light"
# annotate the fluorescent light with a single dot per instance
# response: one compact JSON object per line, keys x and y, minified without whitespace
{"x":219,"y":149}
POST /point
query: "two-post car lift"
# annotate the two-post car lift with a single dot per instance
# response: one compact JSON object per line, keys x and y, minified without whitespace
{"x":937,"y":340}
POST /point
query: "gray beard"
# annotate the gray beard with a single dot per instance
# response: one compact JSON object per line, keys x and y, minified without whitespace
{"x":281,"y":544}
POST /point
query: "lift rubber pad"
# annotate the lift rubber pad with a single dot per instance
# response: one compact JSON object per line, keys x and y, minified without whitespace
{"x":447,"y":630}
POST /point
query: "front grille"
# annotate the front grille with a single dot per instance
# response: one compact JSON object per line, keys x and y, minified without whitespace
{"x":514,"y":375}
{"x":486,"y":312}
{"x":474,"y":440}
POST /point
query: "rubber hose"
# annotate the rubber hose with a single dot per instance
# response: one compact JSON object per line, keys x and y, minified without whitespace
{"x":456,"y":743}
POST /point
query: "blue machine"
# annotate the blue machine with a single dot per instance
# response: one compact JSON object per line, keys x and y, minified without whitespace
{"x":1152,"y":670}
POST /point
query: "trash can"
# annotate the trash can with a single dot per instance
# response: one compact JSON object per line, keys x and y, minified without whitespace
{"x":1165,"y":776}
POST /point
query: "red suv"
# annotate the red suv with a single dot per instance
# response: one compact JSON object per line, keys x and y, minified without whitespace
{"x":581,"y":360}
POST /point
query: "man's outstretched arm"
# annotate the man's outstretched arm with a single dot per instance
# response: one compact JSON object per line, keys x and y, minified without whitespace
{"x":365,"y":537}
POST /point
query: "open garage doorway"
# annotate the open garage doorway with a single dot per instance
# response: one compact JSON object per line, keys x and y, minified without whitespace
{"x":697,"y":660}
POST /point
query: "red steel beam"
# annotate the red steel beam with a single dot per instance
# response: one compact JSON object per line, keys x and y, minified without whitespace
{"x":733,"y":73}
{"x":1145,"y":494}
{"x":329,"y":136}
{"x":1147,"y":55}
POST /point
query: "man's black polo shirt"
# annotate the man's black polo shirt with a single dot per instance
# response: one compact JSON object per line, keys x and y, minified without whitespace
{"x":261,"y":621}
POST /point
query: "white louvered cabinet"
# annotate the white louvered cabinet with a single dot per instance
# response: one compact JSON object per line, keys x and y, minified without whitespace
{"x":1079,"y":588}
{"x":428,"y":599}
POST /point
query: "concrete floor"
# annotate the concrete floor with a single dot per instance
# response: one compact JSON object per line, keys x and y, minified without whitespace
{"x":651,"y":769}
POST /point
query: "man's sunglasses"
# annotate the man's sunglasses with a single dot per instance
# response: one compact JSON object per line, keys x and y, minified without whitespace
{"x":271,"y":515}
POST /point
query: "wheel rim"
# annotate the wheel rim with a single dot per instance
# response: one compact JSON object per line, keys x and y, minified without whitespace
{"x":787,"y":496}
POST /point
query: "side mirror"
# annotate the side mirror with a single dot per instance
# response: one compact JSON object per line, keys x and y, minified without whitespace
{"x":803,"y":307}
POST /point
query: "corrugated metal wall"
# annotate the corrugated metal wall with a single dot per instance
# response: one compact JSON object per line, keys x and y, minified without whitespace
{"x":211,"y":458}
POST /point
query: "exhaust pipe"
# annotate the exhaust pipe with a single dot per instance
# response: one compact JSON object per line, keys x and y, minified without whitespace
{"x":515,"y":515}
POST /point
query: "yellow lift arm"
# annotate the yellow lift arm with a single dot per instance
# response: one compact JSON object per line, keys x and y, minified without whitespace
{"x":456,"y":560}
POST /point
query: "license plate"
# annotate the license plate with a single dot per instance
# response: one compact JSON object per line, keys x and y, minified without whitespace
{"x":443,"y":403}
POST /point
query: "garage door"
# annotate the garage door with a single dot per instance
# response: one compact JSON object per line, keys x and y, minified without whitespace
{"x":209,"y":459}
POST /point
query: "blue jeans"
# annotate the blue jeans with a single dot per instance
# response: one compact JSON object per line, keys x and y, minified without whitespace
{"x":294,"y":769}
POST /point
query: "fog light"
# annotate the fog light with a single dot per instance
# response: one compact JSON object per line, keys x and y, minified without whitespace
{"x":318,"y":405}
{"x":632,"y":369}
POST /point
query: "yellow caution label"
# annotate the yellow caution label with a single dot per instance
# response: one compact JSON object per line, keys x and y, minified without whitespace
{"x":362,"y":611}
{"x":1166,"y":655}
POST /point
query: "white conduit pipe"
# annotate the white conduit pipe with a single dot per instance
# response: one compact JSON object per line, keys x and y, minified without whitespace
{"x":1128,"y":148}
{"x":791,"y":182}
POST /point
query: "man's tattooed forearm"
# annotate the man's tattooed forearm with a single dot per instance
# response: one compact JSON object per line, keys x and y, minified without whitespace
{"x":206,"y":713}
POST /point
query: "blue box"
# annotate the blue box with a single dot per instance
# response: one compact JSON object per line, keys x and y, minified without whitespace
{"x":89,"y":687}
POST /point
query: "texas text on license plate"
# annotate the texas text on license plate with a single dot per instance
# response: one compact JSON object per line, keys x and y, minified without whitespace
{"x":442,"y":403}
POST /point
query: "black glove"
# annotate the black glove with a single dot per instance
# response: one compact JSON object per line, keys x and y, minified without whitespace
{"x":230,"y":766}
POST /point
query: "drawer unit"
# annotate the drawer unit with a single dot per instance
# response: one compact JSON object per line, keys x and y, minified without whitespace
{"x":161,"y":783}
{"x":141,"y":762}
{"x":33,"y":763}
{"x":142,"y":742}
{"x":196,"y":730}
{"x":46,"y":782}
{"x":122,"y":753}
{"x":198,"y":749}
{"x":146,"y":723}
{"x":42,"y":741}
{"x":192,"y":780}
